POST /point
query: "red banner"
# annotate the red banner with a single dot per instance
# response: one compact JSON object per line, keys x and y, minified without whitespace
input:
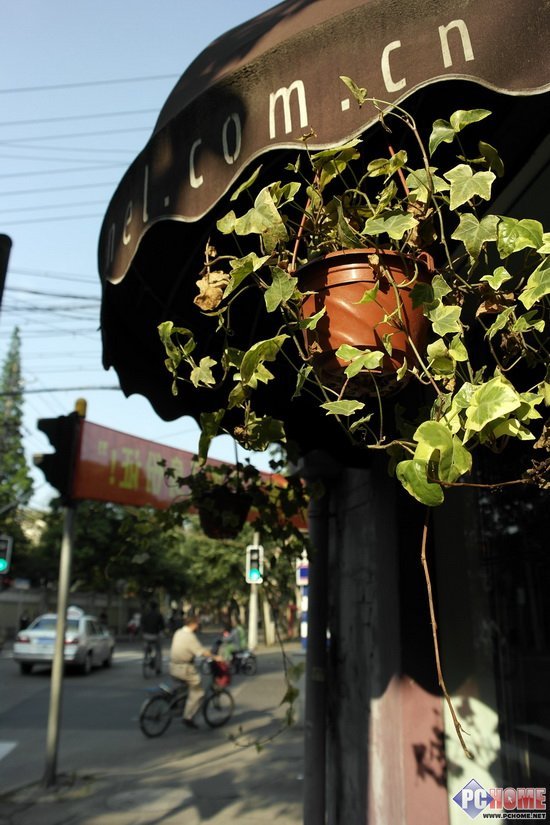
{"x":121,"y":468}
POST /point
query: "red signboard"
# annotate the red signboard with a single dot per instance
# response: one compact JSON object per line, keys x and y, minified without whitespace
{"x":121,"y":468}
{"x":118,"y":467}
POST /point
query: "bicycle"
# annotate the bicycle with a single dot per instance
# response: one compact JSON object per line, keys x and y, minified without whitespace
{"x":245,"y":662}
{"x":149,"y":663}
{"x":168,"y":702}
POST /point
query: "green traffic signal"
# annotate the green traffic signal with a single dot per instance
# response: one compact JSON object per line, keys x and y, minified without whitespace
{"x":254,"y":564}
{"x":6,"y":545}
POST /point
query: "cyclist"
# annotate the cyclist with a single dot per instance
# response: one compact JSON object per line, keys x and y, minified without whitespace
{"x":152,"y":627}
{"x":185,"y":648}
{"x":235,"y":641}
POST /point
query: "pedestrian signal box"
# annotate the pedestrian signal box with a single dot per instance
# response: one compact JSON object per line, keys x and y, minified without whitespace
{"x":254,"y":564}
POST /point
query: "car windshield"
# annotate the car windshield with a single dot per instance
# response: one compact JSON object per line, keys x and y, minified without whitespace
{"x":50,"y":622}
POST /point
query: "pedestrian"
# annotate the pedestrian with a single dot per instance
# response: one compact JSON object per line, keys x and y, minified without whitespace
{"x":176,"y":620}
{"x":185,"y":648}
{"x":152,"y":626}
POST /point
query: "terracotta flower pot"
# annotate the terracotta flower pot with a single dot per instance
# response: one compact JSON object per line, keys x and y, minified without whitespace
{"x":223,"y":513}
{"x":339,"y":281}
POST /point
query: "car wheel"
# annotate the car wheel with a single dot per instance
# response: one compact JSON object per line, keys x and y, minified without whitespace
{"x":87,"y":664}
{"x":109,"y":660}
{"x":25,"y":667}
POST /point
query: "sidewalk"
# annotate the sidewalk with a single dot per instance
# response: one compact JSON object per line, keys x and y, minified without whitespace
{"x":218,"y":784}
{"x":232,"y":785}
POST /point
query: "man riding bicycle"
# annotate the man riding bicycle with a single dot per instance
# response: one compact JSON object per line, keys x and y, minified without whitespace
{"x":183,"y":652}
{"x":152,"y":627}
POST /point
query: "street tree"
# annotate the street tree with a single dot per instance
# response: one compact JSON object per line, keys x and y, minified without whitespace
{"x":15,"y":478}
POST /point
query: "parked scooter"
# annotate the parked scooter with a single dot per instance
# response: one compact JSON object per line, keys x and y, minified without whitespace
{"x":244,"y":661}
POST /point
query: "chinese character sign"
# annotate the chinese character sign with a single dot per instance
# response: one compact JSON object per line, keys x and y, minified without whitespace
{"x":118,"y":467}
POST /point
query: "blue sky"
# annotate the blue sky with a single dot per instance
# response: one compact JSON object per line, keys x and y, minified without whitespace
{"x":69,"y":129}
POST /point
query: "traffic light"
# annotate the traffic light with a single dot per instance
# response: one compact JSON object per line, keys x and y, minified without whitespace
{"x":5,"y":248}
{"x":63,"y":433}
{"x":254,"y":564}
{"x":6,"y":544}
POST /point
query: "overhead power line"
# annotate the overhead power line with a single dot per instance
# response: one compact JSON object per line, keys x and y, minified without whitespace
{"x":53,"y":206}
{"x":62,"y":171}
{"x":58,"y":188}
{"x":82,"y":84}
{"x":57,"y":389}
{"x":58,"y":276}
{"x":60,"y":218}
{"x":64,"y":118}
{"x":51,"y":294}
{"x":27,"y":139}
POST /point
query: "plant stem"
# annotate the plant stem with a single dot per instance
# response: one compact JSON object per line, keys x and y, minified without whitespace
{"x":440,"y":679}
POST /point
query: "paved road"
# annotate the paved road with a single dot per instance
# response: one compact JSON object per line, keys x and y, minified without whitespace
{"x":100,"y":737}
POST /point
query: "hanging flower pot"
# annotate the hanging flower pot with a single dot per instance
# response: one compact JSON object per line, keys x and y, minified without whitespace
{"x":223,"y":512}
{"x":387,"y":322}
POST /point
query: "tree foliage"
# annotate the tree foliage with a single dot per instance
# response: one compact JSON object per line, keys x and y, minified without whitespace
{"x":15,"y":479}
{"x":117,"y":549}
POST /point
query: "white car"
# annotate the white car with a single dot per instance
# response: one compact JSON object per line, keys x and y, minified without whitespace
{"x":88,"y":643}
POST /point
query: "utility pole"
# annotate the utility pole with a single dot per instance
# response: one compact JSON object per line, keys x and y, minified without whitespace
{"x":56,"y":690}
{"x":58,"y":666}
{"x":253,"y":604}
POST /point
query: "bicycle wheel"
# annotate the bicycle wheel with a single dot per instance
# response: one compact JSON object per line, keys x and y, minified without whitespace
{"x":249,"y":666}
{"x":149,"y":663}
{"x":218,"y":708}
{"x":155,"y":715}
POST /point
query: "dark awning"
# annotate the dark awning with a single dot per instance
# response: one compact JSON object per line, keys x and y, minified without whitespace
{"x":267,"y":82}
{"x":252,"y":95}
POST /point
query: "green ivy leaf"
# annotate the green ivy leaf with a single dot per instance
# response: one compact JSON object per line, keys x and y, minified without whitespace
{"x":359,"y":93}
{"x":457,"y":350}
{"x":365,"y":359}
{"x":241,"y":269}
{"x":500,"y":322}
{"x":262,"y":219}
{"x":413,"y":475}
{"x":422,"y":185}
{"x":528,"y":322}
{"x":247,"y":184}
{"x":444,"y":131}
{"x":464,"y":117}
{"x":303,"y":375}
{"x":422,"y":294}
{"x":492,"y":158}
{"x":499,"y":277}
{"x":515,"y":235}
{"x":202,"y":375}
{"x":261,"y":351}
{"x":345,"y":408}
{"x":493,"y":400}
{"x":387,"y":166}
{"x":210,"y":427}
{"x":280,"y":290}
{"x":466,"y":184}
{"x":438,"y":445}
{"x":445,"y":320}
{"x":260,"y":433}
{"x":474,"y":234}
{"x":313,"y":320}
{"x":395,"y":225}
{"x":537,"y":286}
{"x":369,"y":295}
{"x":440,"y":287}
